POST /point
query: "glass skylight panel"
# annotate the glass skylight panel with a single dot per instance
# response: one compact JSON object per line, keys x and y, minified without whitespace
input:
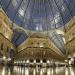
{"x":68,"y":1}
{"x":24,"y":4}
{"x":62,"y":8}
{"x":25,"y":1}
{"x":14,"y":2}
{"x":55,"y":9}
{"x":59,"y":2}
{"x":58,"y":41}
{"x":21,"y":12}
{"x":57,"y":19}
{"x":52,"y":23}
{"x":50,"y":17}
{"x":54,"y":37}
{"x":59,"y":24}
{"x":39,"y":27}
{"x":57,"y":15}
{"x":27,"y":15}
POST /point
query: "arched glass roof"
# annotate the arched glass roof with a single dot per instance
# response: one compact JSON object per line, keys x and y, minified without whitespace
{"x":39,"y":15}
{"x":18,"y":37}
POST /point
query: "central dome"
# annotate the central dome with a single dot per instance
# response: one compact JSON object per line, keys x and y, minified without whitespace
{"x":38,"y":15}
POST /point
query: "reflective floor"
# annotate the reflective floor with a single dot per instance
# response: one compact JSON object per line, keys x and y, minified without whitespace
{"x":36,"y":71}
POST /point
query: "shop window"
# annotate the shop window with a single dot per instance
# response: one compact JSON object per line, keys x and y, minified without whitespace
{"x":44,"y":60}
{"x":31,"y":60}
{"x":38,"y":60}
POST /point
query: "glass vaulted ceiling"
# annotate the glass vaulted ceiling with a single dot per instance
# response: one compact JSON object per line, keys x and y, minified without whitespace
{"x":39,"y":15}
